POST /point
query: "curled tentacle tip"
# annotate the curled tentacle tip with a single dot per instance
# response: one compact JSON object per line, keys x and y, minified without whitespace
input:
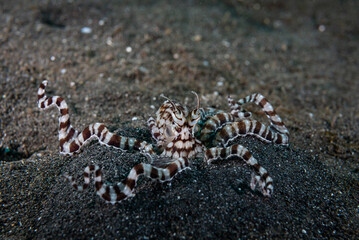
{"x":171,"y":102}
{"x":163,"y":96}
{"x":198,"y":101}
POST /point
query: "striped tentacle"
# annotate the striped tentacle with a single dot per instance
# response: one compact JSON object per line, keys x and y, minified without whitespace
{"x":237,"y":109}
{"x":71,"y":140}
{"x":213,"y":124}
{"x":66,"y":131}
{"x":261,"y":177}
{"x":260,"y":100}
{"x":206,"y":113}
{"x":249,"y":127}
{"x":125,"y":189}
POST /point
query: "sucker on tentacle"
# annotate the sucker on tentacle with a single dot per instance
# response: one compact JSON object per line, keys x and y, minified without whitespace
{"x":180,"y":136}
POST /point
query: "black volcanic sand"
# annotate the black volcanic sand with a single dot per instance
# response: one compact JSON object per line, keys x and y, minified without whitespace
{"x":302,"y":55}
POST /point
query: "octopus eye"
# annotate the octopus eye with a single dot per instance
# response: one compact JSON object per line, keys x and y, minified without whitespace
{"x":169,"y":132}
{"x":179,"y":115}
{"x":195,"y":114}
{"x":194,"y":117}
{"x":178,"y":119}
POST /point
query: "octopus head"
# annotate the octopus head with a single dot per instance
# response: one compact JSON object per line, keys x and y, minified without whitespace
{"x":179,"y":132}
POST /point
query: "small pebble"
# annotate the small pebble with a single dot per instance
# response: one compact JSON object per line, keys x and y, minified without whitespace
{"x":256,"y":6}
{"x":197,"y":38}
{"x":101,"y":22}
{"x":284,"y":47}
{"x":168,"y":31}
{"x":226,"y":43}
{"x":109,"y":41}
{"x":266,"y":21}
{"x":86,"y":30}
{"x":143,"y":69}
{"x":277,"y":24}
{"x":321,"y":28}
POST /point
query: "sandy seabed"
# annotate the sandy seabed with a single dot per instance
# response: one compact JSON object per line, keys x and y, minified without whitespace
{"x":111,"y":60}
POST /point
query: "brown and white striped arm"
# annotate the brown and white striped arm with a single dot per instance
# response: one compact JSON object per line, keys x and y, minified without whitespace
{"x":237,"y":110}
{"x":261,"y":177}
{"x":71,"y":140}
{"x":125,"y":189}
{"x":260,"y":100}
{"x":243,"y":128}
{"x":213,"y":124}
